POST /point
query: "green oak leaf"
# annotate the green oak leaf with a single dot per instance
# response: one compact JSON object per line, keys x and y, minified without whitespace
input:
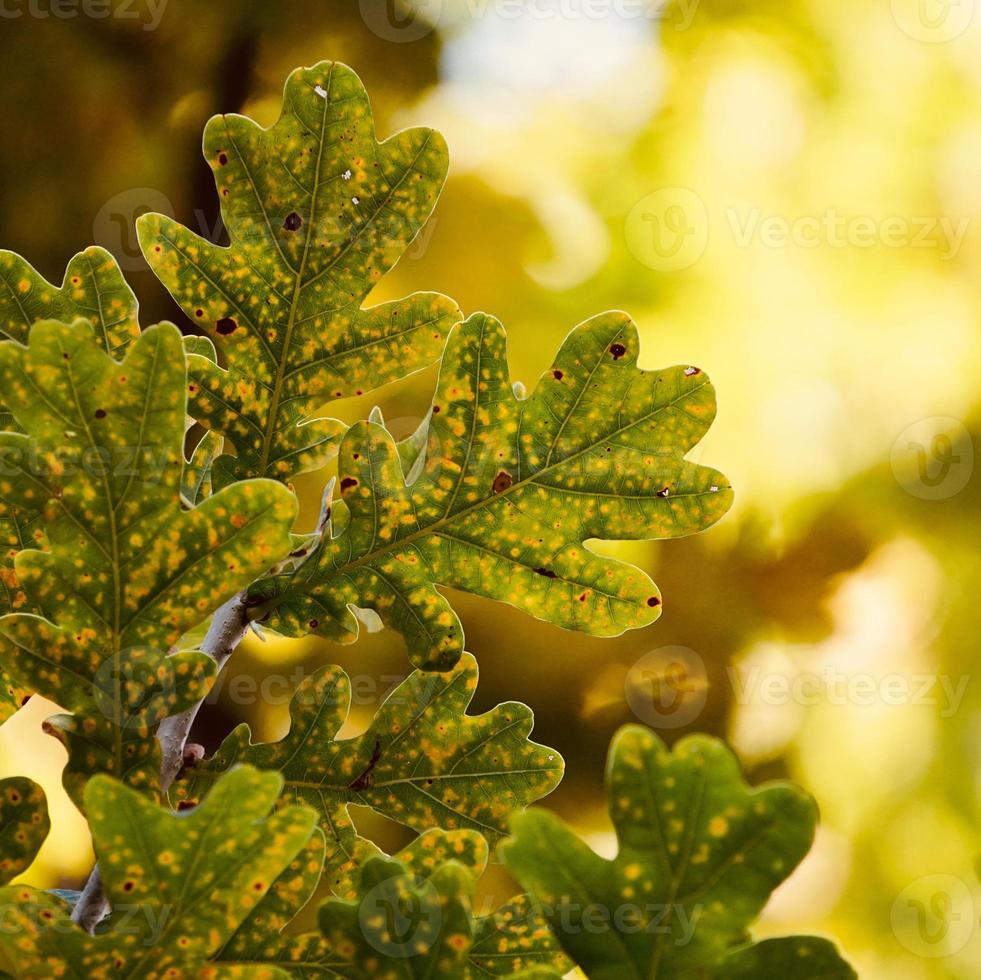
{"x":261,"y":937}
{"x":505,"y":492}
{"x":24,"y":825}
{"x":316,"y":212}
{"x":180,"y":885}
{"x":128,"y":569}
{"x":93,"y":289}
{"x":423,"y":761}
{"x":700,"y":854}
{"x":404,"y":925}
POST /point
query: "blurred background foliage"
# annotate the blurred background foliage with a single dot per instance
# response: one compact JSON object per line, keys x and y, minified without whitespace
{"x":846,"y":359}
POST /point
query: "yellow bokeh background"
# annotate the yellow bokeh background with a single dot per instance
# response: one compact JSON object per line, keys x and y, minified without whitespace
{"x":783,"y":192}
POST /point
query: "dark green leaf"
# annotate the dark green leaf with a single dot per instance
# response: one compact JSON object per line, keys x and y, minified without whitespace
{"x":423,"y":761}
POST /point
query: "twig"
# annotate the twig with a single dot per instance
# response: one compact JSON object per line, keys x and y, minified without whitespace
{"x":227,"y":628}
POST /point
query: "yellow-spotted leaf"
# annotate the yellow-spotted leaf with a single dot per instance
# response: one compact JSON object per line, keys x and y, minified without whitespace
{"x":24,"y":825}
{"x":93,"y":289}
{"x":700,"y":853}
{"x":403,"y":925}
{"x":263,"y":938}
{"x":505,"y":492}
{"x":423,"y":761}
{"x":317,"y":211}
{"x":128,"y":568}
{"x":180,"y":885}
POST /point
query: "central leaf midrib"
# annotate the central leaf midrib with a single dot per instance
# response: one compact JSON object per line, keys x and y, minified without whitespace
{"x":297,"y":289}
{"x":435,"y":527}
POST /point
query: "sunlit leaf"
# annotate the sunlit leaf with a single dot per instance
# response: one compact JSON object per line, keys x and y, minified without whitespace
{"x":423,"y":761}
{"x":24,"y":825}
{"x":94,"y":289}
{"x":316,"y":211}
{"x":128,"y":569}
{"x":508,"y":493}
{"x":179,"y":884}
{"x":700,"y":853}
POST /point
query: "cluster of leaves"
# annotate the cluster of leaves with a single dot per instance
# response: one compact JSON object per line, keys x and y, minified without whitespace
{"x":120,"y":550}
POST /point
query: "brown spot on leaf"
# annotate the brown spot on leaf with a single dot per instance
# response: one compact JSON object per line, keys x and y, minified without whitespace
{"x":547,"y":572}
{"x":100,"y":413}
{"x":653,"y":601}
{"x":225,"y":326}
{"x":313,"y":624}
{"x":293,"y":222}
{"x":617,"y":350}
{"x":223,"y":158}
{"x":348,"y":482}
{"x":502,"y":481}
{"x":557,"y":374}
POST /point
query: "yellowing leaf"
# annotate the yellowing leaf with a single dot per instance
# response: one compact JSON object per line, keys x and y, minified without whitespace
{"x":179,"y":885}
{"x":423,"y":761}
{"x":94,"y":289}
{"x":316,"y":211}
{"x":699,"y":855}
{"x":504,"y":492}
{"x":24,"y":825}
{"x":128,"y":569}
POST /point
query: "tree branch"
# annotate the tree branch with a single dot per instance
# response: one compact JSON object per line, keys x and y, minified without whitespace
{"x":227,"y":628}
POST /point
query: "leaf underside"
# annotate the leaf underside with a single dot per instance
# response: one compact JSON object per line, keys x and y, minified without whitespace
{"x":422,"y":762}
{"x":503,"y":493}
{"x":128,"y":569}
{"x":317,"y":211}
{"x":699,"y":856}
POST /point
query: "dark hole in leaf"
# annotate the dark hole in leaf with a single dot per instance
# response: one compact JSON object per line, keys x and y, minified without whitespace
{"x":501,"y":482}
